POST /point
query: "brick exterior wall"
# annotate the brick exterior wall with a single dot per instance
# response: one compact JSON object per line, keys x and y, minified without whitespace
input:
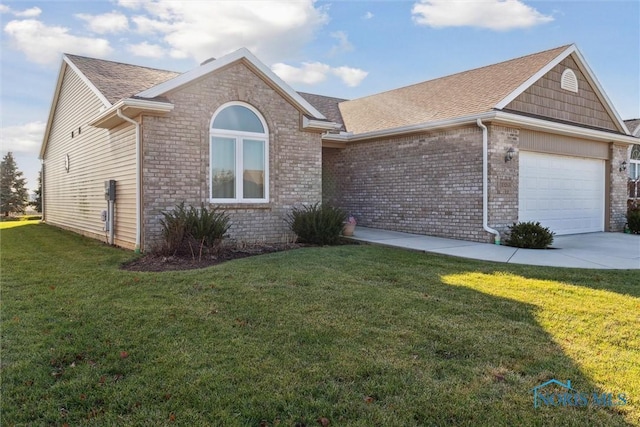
{"x":176,"y":156}
{"x":617,"y":188}
{"x":503,"y":178}
{"x":428,"y":183}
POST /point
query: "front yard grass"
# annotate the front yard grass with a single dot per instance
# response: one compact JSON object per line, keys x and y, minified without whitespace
{"x":359,"y":335}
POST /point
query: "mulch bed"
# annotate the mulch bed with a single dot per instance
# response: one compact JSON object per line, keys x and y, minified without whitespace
{"x":157,"y":262}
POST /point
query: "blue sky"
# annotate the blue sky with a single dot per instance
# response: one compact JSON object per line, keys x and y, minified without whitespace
{"x":346,"y":49}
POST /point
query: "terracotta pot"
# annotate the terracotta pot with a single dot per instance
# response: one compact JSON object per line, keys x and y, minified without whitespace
{"x":348,"y":229}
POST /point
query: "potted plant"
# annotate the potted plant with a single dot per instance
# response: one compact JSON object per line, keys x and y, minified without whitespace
{"x":349,"y":226}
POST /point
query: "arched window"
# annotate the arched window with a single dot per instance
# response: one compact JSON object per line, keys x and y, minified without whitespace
{"x":239,"y":155}
{"x":634,"y":162}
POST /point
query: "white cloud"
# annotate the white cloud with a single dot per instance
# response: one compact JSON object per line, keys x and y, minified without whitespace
{"x":352,"y":77}
{"x":343,"y":45}
{"x":25,"y":138}
{"x":310,"y":73}
{"x":367,"y":15}
{"x":131,"y":4}
{"x":499,"y":15}
{"x":27,"y":13}
{"x":316,"y":72}
{"x":44,"y":44}
{"x":147,"y":50}
{"x":112,"y":22}
{"x":146,"y":25}
{"x":273,"y":30}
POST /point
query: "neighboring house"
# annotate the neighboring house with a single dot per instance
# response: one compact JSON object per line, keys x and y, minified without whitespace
{"x":634,"y":161}
{"x":463,"y":156}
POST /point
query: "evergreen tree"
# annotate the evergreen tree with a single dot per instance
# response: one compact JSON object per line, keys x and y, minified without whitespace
{"x":13,"y":193}
{"x":37,"y":203}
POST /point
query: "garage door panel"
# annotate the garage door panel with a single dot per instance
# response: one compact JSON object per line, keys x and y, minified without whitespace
{"x":564,"y":193}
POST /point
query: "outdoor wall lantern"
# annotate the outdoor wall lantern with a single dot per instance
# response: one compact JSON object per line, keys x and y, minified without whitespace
{"x":623,"y":166}
{"x":509,"y":156}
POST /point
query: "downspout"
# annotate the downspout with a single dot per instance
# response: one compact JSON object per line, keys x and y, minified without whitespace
{"x":138,"y":183}
{"x":485,"y":183}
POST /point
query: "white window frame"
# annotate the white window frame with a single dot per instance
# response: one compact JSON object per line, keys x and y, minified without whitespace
{"x":239,"y":136}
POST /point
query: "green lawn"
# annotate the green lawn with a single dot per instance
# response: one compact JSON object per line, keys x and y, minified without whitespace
{"x":360,"y":335}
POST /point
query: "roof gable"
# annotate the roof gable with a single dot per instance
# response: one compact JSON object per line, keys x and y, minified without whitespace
{"x":464,"y":94}
{"x":583,"y":106}
{"x":634,"y":126}
{"x":253,"y":63}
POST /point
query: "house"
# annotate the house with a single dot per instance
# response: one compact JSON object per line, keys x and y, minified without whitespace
{"x":462,"y":156}
{"x":634,"y":162}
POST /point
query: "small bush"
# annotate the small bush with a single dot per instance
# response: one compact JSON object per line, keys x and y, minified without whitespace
{"x":174,"y":229}
{"x":633,"y":220}
{"x":207,"y":226}
{"x":187,"y":229}
{"x":530,"y":235}
{"x":319,"y":224}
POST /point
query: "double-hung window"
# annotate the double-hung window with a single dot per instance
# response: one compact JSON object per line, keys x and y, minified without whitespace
{"x":239,"y":155}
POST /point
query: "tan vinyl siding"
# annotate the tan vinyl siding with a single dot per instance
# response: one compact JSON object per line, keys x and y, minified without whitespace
{"x":559,"y":144}
{"x":546,"y":98}
{"x":75,"y":199}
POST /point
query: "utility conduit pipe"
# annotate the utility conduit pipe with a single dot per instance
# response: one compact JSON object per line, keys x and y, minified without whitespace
{"x":485,"y":183}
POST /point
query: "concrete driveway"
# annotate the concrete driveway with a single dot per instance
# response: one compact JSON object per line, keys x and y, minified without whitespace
{"x":591,"y":250}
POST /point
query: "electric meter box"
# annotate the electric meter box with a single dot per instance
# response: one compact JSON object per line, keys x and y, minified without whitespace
{"x":110,"y":190}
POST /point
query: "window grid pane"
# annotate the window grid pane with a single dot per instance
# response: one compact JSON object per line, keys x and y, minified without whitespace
{"x":237,"y":117}
{"x":223,"y":168}
{"x":253,"y":173}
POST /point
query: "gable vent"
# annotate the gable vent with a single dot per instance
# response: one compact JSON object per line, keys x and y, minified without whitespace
{"x":569,"y":81}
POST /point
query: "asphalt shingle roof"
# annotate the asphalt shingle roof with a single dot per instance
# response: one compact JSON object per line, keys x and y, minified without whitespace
{"x":327,"y":105}
{"x":466,"y":93}
{"x":116,"y":80}
{"x":632,"y":125}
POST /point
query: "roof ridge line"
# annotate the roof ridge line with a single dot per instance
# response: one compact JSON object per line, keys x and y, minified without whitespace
{"x":122,"y":63}
{"x":563,"y":47}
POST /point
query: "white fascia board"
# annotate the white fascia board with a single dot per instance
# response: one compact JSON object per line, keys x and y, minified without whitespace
{"x":308,"y":123}
{"x":209,"y":67}
{"x":534,"y":78}
{"x":561,"y":128}
{"x":593,"y":80}
{"x":52,"y":108}
{"x":87,"y":82}
{"x":139,"y":104}
{"x":492,"y":116}
{"x":403,"y":130}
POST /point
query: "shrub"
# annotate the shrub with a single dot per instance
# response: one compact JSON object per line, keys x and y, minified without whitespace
{"x":633,"y":220}
{"x":207,"y":226}
{"x":530,"y":235}
{"x":319,"y":224}
{"x":189,"y":228}
{"x":174,"y":229}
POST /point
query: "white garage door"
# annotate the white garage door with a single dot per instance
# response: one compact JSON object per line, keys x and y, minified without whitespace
{"x":564,"y":193}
